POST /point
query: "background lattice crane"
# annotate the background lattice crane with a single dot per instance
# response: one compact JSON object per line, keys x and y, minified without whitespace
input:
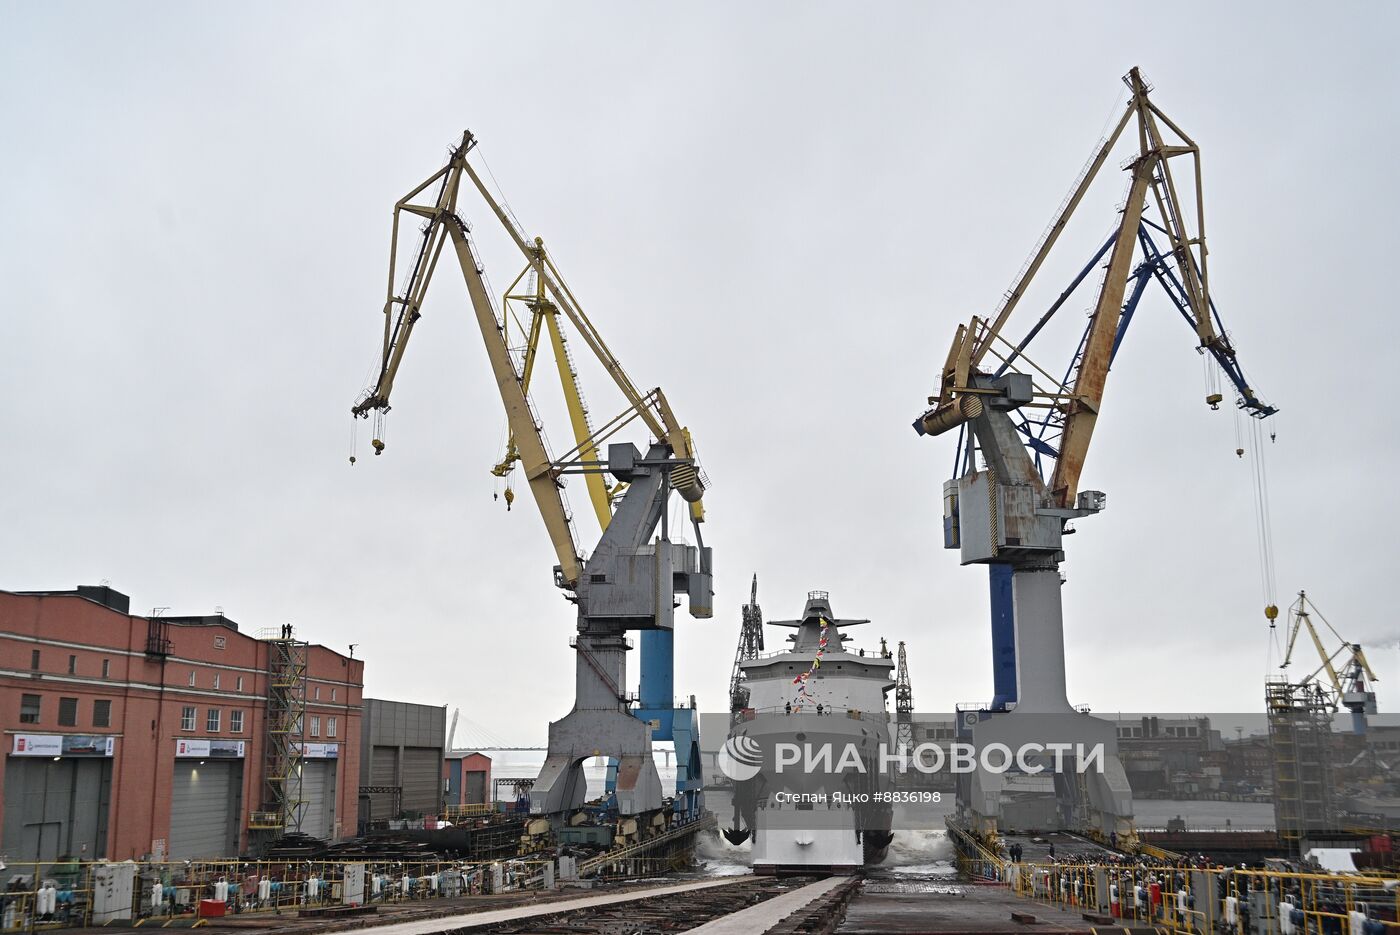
{"x":903,"y":703}
{"x":1349,"y":677}
{"x":750,"y":645}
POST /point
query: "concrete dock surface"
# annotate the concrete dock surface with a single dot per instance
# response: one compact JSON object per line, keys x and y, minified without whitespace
{"x":950,"y":908}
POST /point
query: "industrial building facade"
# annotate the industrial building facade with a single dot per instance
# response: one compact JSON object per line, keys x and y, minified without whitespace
{"x":130,"y":737}
{"x":402,"y":761}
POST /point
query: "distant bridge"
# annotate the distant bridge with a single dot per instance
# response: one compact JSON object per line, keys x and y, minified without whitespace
{"x":667,"y":754}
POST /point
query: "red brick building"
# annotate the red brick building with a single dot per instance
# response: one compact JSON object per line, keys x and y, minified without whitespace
{"x":129,"y":736}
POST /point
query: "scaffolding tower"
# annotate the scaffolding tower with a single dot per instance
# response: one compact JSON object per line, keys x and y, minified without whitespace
{"x":282,"y":804}
{"x":1300,"y":735}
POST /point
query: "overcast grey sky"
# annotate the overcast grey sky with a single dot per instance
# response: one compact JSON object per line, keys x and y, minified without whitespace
{"x":779,"y":213}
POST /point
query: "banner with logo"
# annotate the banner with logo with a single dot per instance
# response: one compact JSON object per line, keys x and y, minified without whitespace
{"x":195,"y":747}
{"x":63,"y":745}
{"x":320,"y":751}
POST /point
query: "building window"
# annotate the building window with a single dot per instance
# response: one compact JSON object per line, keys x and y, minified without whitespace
{"x":67,"y":712}
{"x":333,"y":692}
{"x":34,"y":659}
{"x":316,"y":693}
{"x":187,"y":716}
{"x":235,"y":722}
{"x":29,"y":709}
{"x":330,"y":727}
{"x":239,"y":686}
{"x":101,"y":713}
{"x":191,"y":677}
{"x":315,"y":726}
{"x":211,"y":720}
{"x":72,"y":665}
{"x":106,"y":668}
{"x":216,"y":680}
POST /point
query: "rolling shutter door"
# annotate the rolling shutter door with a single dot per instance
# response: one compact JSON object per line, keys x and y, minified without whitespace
{"x":383,"y":773}
{"x":204,"y":809}
{"x":56,"y":808}
{"x":318,"y":798}
{"x":422,"y":780}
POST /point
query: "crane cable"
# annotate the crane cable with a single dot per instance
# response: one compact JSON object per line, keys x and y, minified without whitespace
{"x":1264,"y":531}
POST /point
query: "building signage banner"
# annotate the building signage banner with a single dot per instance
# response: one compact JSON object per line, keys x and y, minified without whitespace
{"x":208,"y":748}
{"x":320,"y":751}
{"x":63,"y":745}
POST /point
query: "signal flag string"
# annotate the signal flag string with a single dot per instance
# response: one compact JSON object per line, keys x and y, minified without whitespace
{"x":801,"y":680}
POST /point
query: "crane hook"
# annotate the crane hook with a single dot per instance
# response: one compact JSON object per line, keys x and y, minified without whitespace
{"x":378,"y":446}
{"x":510,"y":498}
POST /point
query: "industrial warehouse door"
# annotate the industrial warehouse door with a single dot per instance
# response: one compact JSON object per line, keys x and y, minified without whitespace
{"x":318,"y":798}
{"x":422,"y":780}
{"x":56,"y":808}
{"x":204,"y":808}
{"x":384,"y":774}
{"x":476,"y":788}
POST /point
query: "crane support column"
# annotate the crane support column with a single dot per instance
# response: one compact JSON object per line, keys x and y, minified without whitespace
{"x":1040,"y":639}
{"x":1007,"y":518}
{"x":999,"y":575}
{"x":628,"y":583}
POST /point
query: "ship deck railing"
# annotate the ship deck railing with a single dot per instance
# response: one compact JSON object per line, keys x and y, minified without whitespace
{"x":810,"y":710}
{"x":847,"y":650}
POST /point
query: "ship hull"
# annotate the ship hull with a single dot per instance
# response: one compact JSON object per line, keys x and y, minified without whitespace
{"x":815,"y":820}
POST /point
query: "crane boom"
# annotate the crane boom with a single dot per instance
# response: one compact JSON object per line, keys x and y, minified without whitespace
{"x":443,"y":225}
{"x":660,"y":420}
{"x":1098,"y":348}
{"x":1074,"y":403}
{"x":534,"y":458}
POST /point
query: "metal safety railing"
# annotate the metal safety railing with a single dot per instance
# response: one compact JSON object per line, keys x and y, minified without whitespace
{"x":68,"y":894}
{"x":1189,"y":900}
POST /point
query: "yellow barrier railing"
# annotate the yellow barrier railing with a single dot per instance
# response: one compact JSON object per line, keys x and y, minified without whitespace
{"x":1195,"y":901}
